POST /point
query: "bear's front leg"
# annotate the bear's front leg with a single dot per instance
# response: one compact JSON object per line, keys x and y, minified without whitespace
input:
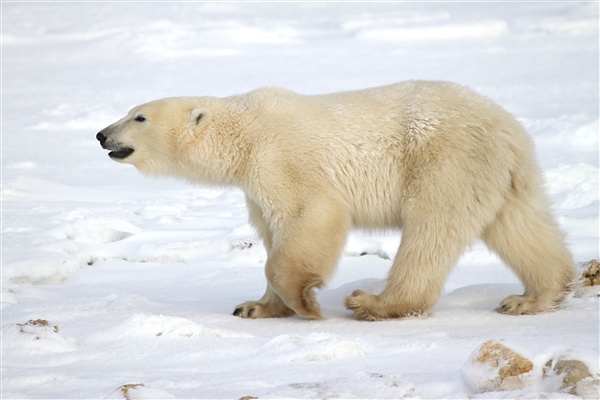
{"x":304,"y":249}
{"x":270,"y":305}
{"x":416,"y":279}
{"x":290,"y":290}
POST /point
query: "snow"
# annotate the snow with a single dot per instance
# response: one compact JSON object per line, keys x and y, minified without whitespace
{"x":137,"y":278}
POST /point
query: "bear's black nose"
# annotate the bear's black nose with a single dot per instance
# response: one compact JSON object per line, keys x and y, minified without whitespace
{"x":101,"y":138}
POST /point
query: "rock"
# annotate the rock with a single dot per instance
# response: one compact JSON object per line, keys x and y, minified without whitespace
{"x":591,"y":276}
{"x":495,"y":367}
{"x":38,"y":322}
{"x":576,"y":377}
{"x":139,"y":391}
{"x":588,"y":284}
{"x":126,"y":389}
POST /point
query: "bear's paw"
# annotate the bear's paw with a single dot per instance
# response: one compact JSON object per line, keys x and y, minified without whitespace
{"x":521,"y":305}
{"x":255,"y":309}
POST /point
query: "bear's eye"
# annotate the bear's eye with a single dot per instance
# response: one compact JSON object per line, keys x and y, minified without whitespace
{"x":140,"y":118}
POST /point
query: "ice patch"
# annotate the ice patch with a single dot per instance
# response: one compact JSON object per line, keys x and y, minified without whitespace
{"x":313,"y":347}
{"x":167,"y":326}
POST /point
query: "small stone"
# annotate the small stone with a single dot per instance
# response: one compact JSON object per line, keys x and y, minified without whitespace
{"x":36,"y":322}
{"x":591,"y":276}
{"x":588,"y":285}
{"x":126,"y":389}
{"x":572,"y":372}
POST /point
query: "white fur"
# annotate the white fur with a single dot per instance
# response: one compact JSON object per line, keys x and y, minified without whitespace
{"x":434,"y":159}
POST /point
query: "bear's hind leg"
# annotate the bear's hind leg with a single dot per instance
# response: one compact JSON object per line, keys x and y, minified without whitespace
{"x":527,"y":239}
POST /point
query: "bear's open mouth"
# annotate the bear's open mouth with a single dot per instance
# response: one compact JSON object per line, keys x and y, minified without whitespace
{"x":121,"y":153}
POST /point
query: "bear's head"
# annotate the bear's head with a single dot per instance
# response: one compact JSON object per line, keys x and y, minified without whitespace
{"x":151,"y":135}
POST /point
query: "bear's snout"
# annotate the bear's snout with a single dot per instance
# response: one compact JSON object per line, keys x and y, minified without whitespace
{"x":118,"y":150}
{"x":101,"y":138}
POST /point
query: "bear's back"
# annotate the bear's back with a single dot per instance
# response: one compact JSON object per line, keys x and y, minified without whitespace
{"x":367,"y":146}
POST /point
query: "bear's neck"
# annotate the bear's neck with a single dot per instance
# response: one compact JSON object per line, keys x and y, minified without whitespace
{"x":220,"y":156}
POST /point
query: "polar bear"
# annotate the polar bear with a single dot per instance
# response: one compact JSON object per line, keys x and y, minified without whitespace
{"x":434,"y":159}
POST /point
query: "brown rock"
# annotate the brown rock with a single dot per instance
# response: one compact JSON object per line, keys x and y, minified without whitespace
{"x":504,"y":368}
{"x":36,"y":322}
{"x":591,"y":276}
{"x":572,"y":372}
{"x":509,"y":362}
{"x":588,"y":285}
{"x":126,"y":389}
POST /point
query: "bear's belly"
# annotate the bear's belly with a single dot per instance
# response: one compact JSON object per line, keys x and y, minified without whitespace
{"x":373,"y":204}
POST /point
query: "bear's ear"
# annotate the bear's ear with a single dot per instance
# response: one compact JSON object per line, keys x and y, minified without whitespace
{"x":198,"y":117}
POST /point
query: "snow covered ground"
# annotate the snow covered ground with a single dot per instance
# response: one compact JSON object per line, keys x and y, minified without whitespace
{"x":137,"y":278}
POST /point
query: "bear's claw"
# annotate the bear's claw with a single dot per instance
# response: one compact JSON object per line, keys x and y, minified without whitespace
{"x":245,"y":311}
{"x":254,"y":310}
